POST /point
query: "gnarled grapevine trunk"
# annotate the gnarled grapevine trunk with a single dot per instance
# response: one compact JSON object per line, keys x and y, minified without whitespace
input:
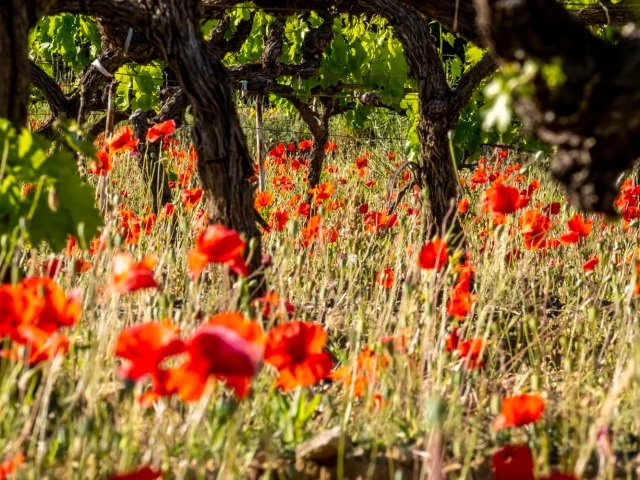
{"x":224,"y":163}
{"x":16,"y":18}
{"x":316,"y":160}
{"x":440,"y":108}
{"x":436,"y":171}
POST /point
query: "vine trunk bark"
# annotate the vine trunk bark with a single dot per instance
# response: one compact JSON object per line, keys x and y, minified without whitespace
{"x":15,"y":22}
{"x":316,"y":159}
{"x":224,"y":163}
{"x":436,"y":171}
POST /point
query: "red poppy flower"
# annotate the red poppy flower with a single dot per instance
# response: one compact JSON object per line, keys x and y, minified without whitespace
{"x":271,"y":300}
{"x":56,"y":310}
{"x":519,"y":410}
{"x":296,"y":350}
{"x":145,"y":347}
{"x":122,"y":141}
{"x":168,"y":210}
{"x":471,"y":351}
{"x":44,"y":345}
{"x":363,"y":209}
{"x":228,"y":347}
{"x":463,"y":205}
{"x":502,"y":199}
{"x":277,"y":151}
{"x":433,"y":255}
{"x":513,"y":462}
{"x":263,"y":200}
{"x":533,"y":186}
{"x":128,"y":275}
{"x":305,"y":145}
{"x":578,"y":225}
{"x":452,"y":340}
{"x":279,"y":220}
{"x":386,"y":278}
{"x":191,"y":197}
{"x":361,"y":162}
{"x":370,"y":183}
{"x":218,"y":244}
{"x":322,"y":192}
{"x":534,"y":226}
{"x":304,"y":209}
{"x":591,"y":263}
{"x":460,"y":303}
{"x":330,"y":147}
{"x":160,"y":130}
{"x":102,"y":164}
{"x":552,"y":209}
{"x":52,"y":267}
{"x":10,"y":466}
{"x":357,"y":377}
{"x":569,"y":238}
{"x":81,"y":266}
{"x":145,"y":473}
{"x":479,"y":176}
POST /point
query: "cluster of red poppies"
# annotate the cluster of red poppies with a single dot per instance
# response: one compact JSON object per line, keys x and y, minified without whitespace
{"x":228,"y":348}
{"x":31,"y":315}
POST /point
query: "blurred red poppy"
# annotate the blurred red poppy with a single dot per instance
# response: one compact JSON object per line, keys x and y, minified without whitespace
{"x":578,"y":225}
{"x":519,"y":410}
{"x":102,"y":164}
{"x":463,"y":205}
{"x":452,"y":340}
{"x":145,"y":473}
{"x":552,"y":209}
{"x":218,"y":244}
{"x":331,"y":147}
{"x":471,"y":351}
{"x":279,"y":220}
{"x":168,"y":210}
{"x":228,"y":348}
{"x":52,"y":267}
{"x":534,"y":227}
{"x":122,"y":141}
{"x":359,"y":376}
{"x":272,"y":301}
{"x":160,"y":130}
{"x":145,"y":346}
{"x":502,"y":199}
{"x":127,"y":275}
{"x":56,"y":310}
{"x":305,"y":145}
{"x":10,"y":466}
{"x":191,"y":197}
{"x":322,"y":192}
{"x":296,"y":350}
{"x":513,"y":462}
{"x":591,"y":263}
{"x":263,"y":200}
{"x":361,"y":162}
{"x":433,"y":256}
{"x":386,"y":278}
{"x":460,"y":303}
{"x":304,"y":209}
